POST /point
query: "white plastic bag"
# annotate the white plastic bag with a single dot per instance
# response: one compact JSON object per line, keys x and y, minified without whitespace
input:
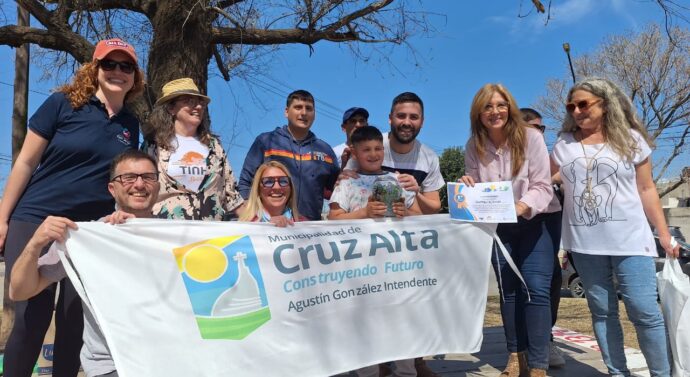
{"x":674,"y":291}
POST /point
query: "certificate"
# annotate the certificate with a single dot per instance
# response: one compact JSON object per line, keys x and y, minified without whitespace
{"x":488,"y":202}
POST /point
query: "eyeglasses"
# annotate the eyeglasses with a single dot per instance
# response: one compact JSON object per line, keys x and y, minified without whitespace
{"x":192,"y":101}
{"x":130,"y":178}
{"x":109,"y":65}
{"x":501,"y":108}
{"x":269,"y":182}
{"x":583,"y":105}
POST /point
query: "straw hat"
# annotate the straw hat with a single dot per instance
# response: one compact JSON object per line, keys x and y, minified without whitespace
{"x":180,"y":87}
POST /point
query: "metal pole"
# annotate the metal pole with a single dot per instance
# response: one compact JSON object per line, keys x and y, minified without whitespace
{"x":566,"y":48}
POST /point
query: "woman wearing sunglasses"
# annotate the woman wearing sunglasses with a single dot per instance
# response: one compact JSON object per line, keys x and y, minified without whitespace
{"x":196,"y":178}
{"x":271,"y":198}
{"x":62,"y":170}
{"x":502,"y":147}
{"x":602,"y":159}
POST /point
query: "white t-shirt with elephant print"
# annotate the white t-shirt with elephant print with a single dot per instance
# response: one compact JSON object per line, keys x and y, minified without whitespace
{"x":605,"y":217}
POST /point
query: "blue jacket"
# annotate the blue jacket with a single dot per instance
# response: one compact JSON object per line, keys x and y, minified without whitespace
{"x":311,"y":162}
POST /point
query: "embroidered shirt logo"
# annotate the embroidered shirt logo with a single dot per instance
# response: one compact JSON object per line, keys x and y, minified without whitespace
{"x":125,"y":137}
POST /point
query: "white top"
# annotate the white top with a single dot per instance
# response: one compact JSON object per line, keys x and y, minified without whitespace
{"x":339,"y":149}
{"x":610,"y":219}
{"x":353,"y":194}
{"x":188,"y":163}
{"x":421,"y":163}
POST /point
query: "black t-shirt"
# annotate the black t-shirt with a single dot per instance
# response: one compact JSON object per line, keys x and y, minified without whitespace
{"x":72,"y":177}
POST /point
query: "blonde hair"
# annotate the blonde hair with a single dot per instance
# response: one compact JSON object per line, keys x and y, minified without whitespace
{"x":620,"y":116}
{"x":514,"y":128}
{"x":255,"y":206}
{"x":85,"y":83}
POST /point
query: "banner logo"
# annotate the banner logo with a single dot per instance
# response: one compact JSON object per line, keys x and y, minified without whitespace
{"x":225,"y":286}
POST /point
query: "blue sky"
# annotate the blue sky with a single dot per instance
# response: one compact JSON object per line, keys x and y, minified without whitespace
{"x":476,"y":42}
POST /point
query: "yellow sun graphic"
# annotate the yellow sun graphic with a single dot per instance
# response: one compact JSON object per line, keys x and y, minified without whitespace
{"x":205,"y":263}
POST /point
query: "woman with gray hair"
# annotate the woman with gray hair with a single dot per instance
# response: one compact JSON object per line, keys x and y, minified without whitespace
{"x":196,"y":180}
{"x":602,"y":159}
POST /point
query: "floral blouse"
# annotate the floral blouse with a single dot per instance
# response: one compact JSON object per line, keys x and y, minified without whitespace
{"x":217,"y":195}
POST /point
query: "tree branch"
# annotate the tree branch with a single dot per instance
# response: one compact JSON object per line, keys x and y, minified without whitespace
{"x":139,"y":6}
{"x":40,"y":13}
{"x":280,"y":36}
{"x":221,"y":66}
{"x":676,"y":151}
{"x":227,"y":3}
{"x":672,"y":187}
{"x":227,"y":15}
{"x":75,"y":45}
{"x":326,"y":9}
{"x":375,"y":7}
{"x":539,"y":6}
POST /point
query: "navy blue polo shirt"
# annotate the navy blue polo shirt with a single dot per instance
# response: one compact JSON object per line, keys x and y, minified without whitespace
{"x":72,"y":177}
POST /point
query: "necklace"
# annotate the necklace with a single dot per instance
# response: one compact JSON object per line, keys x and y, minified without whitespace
{"x":588,"y":193}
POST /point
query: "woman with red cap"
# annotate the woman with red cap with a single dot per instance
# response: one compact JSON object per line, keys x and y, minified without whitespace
{"x":62,"y":170}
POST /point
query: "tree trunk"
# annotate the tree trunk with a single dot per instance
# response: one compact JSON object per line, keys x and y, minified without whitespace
{"x":181,"y":47}
{"x":19,"y":119}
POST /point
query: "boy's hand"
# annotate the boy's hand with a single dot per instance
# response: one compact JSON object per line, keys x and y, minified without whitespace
{"x":375,"y":209}
{"x":399,"y":209}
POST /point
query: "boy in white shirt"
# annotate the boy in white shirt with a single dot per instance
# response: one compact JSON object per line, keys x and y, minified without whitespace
{"x":354,"y":199}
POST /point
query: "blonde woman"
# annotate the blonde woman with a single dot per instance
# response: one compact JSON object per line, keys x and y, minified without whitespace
{"x":62,"y":170}
{"x":602,"y":159}
{"x":272,"y":197}
{"x":502,"y":147}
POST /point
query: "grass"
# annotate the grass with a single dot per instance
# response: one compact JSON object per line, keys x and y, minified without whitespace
{"x":573,"y":314}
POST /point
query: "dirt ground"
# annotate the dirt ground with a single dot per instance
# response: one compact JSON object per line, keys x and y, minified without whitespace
{"x":573,"y":314}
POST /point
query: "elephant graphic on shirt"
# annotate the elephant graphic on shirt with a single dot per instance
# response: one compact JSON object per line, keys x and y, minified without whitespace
{"x":594,"y":205}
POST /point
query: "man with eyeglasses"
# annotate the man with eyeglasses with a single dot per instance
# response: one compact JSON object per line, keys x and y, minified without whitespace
{"x":134,"y":186}
{"x":553,"y":226}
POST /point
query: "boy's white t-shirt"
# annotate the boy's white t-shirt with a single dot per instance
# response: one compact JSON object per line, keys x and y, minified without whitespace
{"x":187,"y":164}
{"x":610,"y":221}
{"x":353,"y":193}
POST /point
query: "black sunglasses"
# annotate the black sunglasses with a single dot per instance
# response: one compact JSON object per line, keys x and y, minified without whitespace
{"x":269,"y":182}
{"x":109,"y":65}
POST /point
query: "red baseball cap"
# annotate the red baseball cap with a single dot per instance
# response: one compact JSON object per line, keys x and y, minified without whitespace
{"x":106,"y":46}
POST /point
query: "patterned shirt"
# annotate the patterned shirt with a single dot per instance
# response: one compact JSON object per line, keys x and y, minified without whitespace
{"x":216,"y":197}
{"x":353,"y":194}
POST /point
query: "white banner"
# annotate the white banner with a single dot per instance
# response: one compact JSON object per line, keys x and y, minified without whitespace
{"x":182,"y":298}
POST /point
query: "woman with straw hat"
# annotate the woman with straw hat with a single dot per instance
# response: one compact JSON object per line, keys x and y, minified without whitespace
{"x":195,"y":176}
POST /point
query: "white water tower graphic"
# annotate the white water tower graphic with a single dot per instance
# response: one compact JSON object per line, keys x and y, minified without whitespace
{"x":244,"y":297}
{"x":225,"y":286}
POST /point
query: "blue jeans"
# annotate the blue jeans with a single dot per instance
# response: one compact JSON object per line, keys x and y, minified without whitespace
{"x":553,"y":226}
{"x":527,"y":324}
{"x":636,"y":276}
